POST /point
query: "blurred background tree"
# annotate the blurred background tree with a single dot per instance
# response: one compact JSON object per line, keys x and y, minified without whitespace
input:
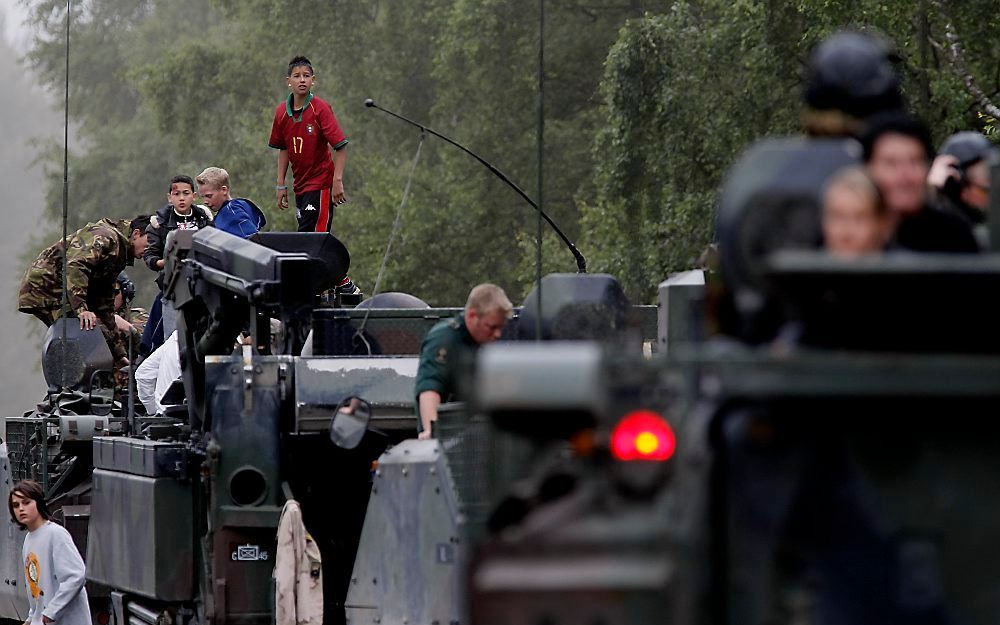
{"x":647,"y":102}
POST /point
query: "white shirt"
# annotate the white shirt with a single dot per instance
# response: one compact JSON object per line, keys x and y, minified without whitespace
{"x":55,"y":576}
{"x":157,"y":372}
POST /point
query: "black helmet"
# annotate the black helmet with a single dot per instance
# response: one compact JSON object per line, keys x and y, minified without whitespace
{"x":852,"y":72}
{"x":967,"y":147}
{"x":127,"y":288}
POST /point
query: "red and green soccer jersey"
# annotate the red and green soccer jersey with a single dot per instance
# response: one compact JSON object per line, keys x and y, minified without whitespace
{"x":308,"y":137}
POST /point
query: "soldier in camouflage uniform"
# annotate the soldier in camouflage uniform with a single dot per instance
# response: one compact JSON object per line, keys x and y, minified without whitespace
{"x":131,"y":321}
{"x":138,"y":316}
{"x":97,"y":253}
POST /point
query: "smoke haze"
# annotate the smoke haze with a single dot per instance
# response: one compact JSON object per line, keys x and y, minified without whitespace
{"x":30,"y":119}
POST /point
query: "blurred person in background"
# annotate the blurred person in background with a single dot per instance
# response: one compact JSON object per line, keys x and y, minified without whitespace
{"x":898,"y":153}
{"x":960,"y":179}
{"x":855,"y":219}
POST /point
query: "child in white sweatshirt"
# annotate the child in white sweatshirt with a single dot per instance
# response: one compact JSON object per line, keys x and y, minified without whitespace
{"x":53,"y":569}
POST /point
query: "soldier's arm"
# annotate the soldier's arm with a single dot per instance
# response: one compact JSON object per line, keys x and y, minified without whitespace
{"x":117,"y":341}
{"x":429,"y":402}
{"x":432,"y":379}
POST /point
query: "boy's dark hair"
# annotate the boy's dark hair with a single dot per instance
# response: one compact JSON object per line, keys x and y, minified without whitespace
{"x":299,"y":61}
{"x":180,"y":178}
{"x":139,"y":222}
{"x":28,"y":489}
{"x":897,"y":123}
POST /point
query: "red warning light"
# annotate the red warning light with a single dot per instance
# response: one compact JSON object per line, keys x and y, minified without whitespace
{"x":643,"y":435}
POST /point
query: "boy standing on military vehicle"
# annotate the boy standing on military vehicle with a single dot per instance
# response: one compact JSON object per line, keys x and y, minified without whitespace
{"x":180,"y":213}
{"x":96,"y":254}
{"x":304,"y":131}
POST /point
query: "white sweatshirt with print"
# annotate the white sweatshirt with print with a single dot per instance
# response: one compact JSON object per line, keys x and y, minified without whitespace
{"x":55,"y":577}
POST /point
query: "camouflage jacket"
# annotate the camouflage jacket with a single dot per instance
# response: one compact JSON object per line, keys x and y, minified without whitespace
{"x":138,"y":318}
{"x":298,"y":572}
{"x":97,"y":254}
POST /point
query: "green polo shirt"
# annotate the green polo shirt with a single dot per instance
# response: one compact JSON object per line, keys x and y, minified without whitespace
{"x":442,"y":350}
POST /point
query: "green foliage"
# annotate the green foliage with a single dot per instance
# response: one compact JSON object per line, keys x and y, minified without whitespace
{"x":916,"y":30}
{"x":684,"y":92}
{"x":990,"y":125}
{"x":646,"y":104}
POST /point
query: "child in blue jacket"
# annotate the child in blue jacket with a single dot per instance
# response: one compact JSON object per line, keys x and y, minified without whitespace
{"x":237,"y":216}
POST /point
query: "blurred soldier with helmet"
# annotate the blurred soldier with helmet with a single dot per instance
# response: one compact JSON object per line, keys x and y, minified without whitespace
{"x":851,"y":77}
{"x":793,"y":510}
{"x":960,"y":178}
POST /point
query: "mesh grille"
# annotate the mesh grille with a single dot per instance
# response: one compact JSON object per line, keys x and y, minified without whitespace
{"x":483,"y":462}
{"x":23,"y":449}
{"x":63,"y":363}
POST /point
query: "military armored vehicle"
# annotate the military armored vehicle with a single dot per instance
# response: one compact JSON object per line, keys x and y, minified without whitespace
{"x":822,"y":459}
{"x":833,"y":444}
{"x":810,"y":442}
{"x":177,"y":513}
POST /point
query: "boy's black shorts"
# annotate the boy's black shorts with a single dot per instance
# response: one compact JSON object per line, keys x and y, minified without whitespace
{"x":314,"y":211}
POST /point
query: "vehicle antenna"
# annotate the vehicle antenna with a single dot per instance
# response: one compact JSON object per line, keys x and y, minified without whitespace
{"x":399,"y":215}
{"x":65,"y":199}
{"x":360,"y":334}
{"x":540,"y":138}
{"x":581,"y":262}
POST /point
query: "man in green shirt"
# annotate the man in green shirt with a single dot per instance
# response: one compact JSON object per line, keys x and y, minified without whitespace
{"x":486,"y":313}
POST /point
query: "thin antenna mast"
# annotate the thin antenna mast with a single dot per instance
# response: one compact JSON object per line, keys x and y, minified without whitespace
{"x":65,"y":207}
{"x":540,"y":138}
